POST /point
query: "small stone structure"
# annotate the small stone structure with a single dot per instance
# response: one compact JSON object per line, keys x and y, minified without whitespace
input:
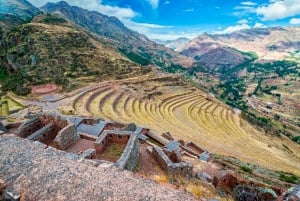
{"x":130,"y":156}
{"x":49,"y":129}
{"x":93,"y":136}
{"x":171,"y":163}
{"x":43,"y":89}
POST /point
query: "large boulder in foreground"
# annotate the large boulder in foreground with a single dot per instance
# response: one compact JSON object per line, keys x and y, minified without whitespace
{"x":48,"y":174}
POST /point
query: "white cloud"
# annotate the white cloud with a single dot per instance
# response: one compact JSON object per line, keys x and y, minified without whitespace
{"x":241,"y":24}
{"x":124,"y":14}
{"x":295,"y":21}
{"x":153,"y":3}
{"x":279,"y":9}
{"x":135,"y":25}
{"x":234,"y":28}
{"x":172,"y":35}
{"x":167,"y":2}
{"x":243,"y":21}
{"x":95,"y":5}
{"x":259,"y":25}
{"x":248,"y":3}
{"x":243,"y":10}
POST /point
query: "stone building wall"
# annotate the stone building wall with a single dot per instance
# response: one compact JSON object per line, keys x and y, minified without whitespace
{"x":57,"y":121}
{"x":89,"y":121}
{"x":50,"y":129}
{"x":130,"y":156}
{"x":108,"y":137}
{"x":66,"y":137}
{"x":173,"y":156}
{"x":161,"y":158}
{"x":113,"y":125}
{"x":44,"y":135}
{"x":182,"y":168}
{"x":29,"y":127}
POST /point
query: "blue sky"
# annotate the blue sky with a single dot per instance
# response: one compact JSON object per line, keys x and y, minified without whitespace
{"x":170,"y":19}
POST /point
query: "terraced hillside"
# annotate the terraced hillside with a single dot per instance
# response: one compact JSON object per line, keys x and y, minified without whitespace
{"x":167,"y":104}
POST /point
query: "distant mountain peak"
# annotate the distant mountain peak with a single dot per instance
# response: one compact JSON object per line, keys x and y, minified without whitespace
{"x":20,"y":8}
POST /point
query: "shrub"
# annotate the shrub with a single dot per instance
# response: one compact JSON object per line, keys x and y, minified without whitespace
{"x":247,"y":169}
{"x":289,"y":178}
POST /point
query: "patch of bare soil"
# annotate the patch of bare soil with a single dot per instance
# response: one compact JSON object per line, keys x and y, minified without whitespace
{"x":146,"y":164}
{"x":81,"y":145}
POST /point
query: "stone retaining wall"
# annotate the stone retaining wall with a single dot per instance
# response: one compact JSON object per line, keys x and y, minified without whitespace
{"x":130,"y":156}
{"x":66,"y":137}
{"x":112,"y":136}
{"x":29,"y":127}
{"x":182,"y":168}
{"x":43,"y":135}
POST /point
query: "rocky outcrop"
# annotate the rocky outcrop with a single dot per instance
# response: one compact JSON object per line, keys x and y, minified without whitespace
{"x":227,"y":180}
{"x":252,"y":193}
{"x":50,"y":174}
{"x":293,"y":194}
{"x":2,"y":186}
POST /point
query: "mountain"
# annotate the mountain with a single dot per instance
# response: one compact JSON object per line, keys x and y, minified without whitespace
{"x":213,"y":55}
{"x":112,"y":31}
{"x":273,"y":43}
{"x":173,"y":44}
{"x":20,"y":8}
{"x":51,"y":49}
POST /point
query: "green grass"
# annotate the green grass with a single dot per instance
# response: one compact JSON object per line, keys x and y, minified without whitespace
{"x":114,"y":151}
{"x":5,"y":109}
{"x":289,"y":178}
{"x":246,"y":169}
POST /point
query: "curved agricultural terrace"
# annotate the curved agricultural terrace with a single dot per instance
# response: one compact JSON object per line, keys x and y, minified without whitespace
{"x":164,"y":104}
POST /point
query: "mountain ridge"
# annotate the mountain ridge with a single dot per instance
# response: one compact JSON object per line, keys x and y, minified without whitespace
{"x":19,"y":8}
{"x":132,"y":44}
{"x":270,"y":43}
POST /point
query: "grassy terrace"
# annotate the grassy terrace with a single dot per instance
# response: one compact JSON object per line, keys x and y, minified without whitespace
{"x":189,"y":115}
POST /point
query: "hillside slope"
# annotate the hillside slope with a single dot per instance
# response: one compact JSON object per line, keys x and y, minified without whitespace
{"x":20,"y":8}
{"x":273,"y":43}
{"x":49,"y":49}
{"x":135,"y":46}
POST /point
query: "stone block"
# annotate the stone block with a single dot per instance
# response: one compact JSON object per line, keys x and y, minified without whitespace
{"x":88,"y":154}
{"x":11,"y":195}
{"x":66,"y":137}
{"x":2,"y":186}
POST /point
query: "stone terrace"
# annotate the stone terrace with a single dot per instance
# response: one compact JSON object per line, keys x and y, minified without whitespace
{"x":40,"y":173}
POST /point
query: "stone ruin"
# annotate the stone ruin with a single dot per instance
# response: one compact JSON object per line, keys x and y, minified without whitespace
{"x":130,"y":156}
{"x":63,"y":133}
{"x":51,"y":130}
{"x":89,"y":138}
{"x":171,"y":162}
